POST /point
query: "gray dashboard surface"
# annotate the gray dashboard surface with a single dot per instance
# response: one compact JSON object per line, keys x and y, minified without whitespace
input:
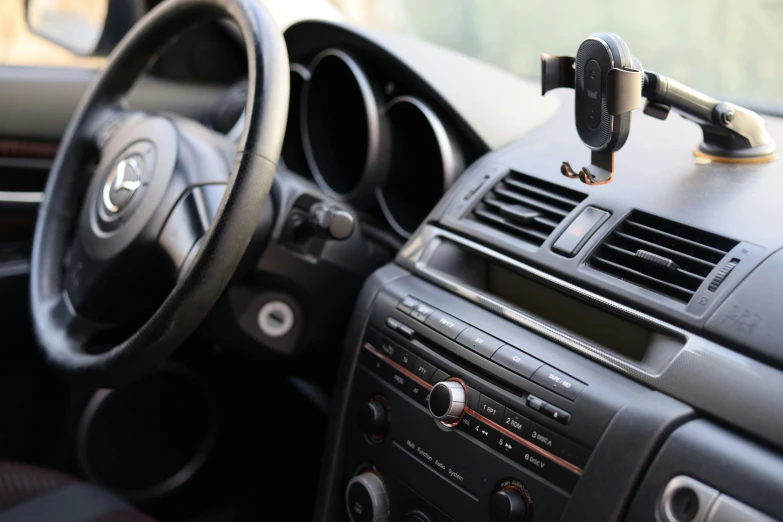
{"x":496,"y":106}
{"x":37,"y":102}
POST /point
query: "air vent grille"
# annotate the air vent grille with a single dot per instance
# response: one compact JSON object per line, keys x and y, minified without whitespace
{"x":661,"y":255}
{"x":526,"y":207}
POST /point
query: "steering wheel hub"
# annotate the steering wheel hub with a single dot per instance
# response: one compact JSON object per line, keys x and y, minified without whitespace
{"x":125,"y":184}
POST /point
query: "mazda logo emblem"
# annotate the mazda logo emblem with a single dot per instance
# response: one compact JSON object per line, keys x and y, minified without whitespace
{"x":124,"y":181}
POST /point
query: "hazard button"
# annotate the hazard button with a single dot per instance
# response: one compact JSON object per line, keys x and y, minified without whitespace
{"x":579,"y":231}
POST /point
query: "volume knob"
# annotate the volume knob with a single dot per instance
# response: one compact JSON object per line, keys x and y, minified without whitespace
{"x":447,"y":401}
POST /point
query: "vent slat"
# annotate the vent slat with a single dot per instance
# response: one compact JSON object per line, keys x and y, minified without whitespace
{"x":695,"y":252}
{"x":543,"y":193}
{"x":678,"y":238}
{"x":538,"y":236}
{"x":632,"y":255}
{"x":524,"y":200}
{"x":525,"y":207}
{"x":667,"y":251}
{"x":635,"y":274}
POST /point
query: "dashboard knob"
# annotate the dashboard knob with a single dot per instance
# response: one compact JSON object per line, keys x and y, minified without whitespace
{"x":366,"y":498}
{"x":507,"y":505}
{"x":374,"y":418}
{"x":447,"y":401}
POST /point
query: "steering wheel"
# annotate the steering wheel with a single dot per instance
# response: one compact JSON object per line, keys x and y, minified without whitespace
{"x":129,"y":259}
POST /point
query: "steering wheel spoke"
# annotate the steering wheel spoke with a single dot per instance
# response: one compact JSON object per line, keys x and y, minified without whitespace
{"x":104,"y":122}
{"x":187,"y":225}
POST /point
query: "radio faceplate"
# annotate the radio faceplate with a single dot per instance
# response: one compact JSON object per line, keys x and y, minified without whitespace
{"x":518,"y":445}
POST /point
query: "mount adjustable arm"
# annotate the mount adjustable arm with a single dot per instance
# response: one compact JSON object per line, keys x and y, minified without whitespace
{"x":730,"y":131}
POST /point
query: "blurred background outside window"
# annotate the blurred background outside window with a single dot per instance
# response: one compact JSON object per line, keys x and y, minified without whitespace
{"x":728,"y":48}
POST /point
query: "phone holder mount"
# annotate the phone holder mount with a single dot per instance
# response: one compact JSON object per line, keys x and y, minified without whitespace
{"x":609,"y":83}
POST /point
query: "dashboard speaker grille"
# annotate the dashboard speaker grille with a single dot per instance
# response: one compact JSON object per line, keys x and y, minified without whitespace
{"x":661,"y":255}
{"x":526,"y":207}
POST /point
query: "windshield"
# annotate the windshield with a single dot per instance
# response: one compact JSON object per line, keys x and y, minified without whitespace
{"x":726,"y":48}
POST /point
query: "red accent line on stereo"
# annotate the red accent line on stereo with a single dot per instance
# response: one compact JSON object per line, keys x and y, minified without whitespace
{"x":554,"y":458}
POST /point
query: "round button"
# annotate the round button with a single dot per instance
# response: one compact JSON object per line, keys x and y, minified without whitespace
{"x":507,"y":505}
{"x":416,"y":516}
{"x":276,"y":318}
{"x":366,"y":499}
{"x":374,"y":418}
{"x":447,"y":401}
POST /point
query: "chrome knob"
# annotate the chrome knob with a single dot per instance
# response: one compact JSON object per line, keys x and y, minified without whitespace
{"x":447,"y":401}
{"x":366,"y":498}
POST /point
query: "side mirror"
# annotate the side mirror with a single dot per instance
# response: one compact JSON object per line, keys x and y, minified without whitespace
{"x":84,"y":27}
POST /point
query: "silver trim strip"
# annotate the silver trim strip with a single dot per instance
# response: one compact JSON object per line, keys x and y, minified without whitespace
{"x":31,"y":198}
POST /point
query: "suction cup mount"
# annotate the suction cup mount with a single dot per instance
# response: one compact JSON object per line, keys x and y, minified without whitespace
{"x":609,"y":83}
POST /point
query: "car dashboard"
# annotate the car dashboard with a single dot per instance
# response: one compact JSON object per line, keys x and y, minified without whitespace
{"x":522,"y":359}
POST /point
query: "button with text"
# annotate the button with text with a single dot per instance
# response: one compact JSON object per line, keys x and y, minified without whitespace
{"x":423,"y":370}
{"x":479,"y":430}
{"x":509,"y":447}
{"x":491,"y":409}
{"x":535,"y":462}
{"x":479,"y":342}
{"x":517,"y":361}
{"x":421,"y":312}
{"x":395,"y":377}
{"x":445,"y":324}
{"x":407,"y":305}
{"x":417,"y":392}
{"x":559,"y":382}
{"x":515,"y":423}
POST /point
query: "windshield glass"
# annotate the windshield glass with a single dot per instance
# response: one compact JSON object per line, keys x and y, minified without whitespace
{"x":726,"y":48}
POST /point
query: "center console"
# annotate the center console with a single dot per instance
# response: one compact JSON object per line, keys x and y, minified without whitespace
{"x":539,"y":354}
{"x":452,"y":413}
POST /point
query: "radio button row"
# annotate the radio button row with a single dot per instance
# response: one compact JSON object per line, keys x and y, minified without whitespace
{"x":417,"y":392}
{"x":396,"y":326}
{"x":557,"y":445}
{"x":473,"y":398}
{"x":558,"y":382}
{"x":517,"y":361}
{"x":509,"y":447}
{"x":421,"y":312}
{"x":479,"y":430}
{"x":372,"y":361}
{"x":515,"y":423}
{"x":438,"y":376}
{"x":398,"y":354}
{"x":423,"y":370}
{"x":490,"y":409}
{"x":407,"y":305}
{"x":535,"y":462}
{"x":479,"y":342}
{"x":445,"y":324}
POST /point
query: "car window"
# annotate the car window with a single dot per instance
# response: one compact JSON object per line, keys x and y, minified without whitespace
{"x":20,"y":47}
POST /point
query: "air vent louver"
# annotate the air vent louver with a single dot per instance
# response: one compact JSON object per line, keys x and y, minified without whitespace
{"x":661,"y":255}
{"x":526,"y":207}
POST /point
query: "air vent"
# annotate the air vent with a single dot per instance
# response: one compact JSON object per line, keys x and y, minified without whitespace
{"x":526,"y":207}
{"x":661,"y":255}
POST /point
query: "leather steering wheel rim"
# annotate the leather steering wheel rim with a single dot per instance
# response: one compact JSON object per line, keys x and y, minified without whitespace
{"x":200,"y":286}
